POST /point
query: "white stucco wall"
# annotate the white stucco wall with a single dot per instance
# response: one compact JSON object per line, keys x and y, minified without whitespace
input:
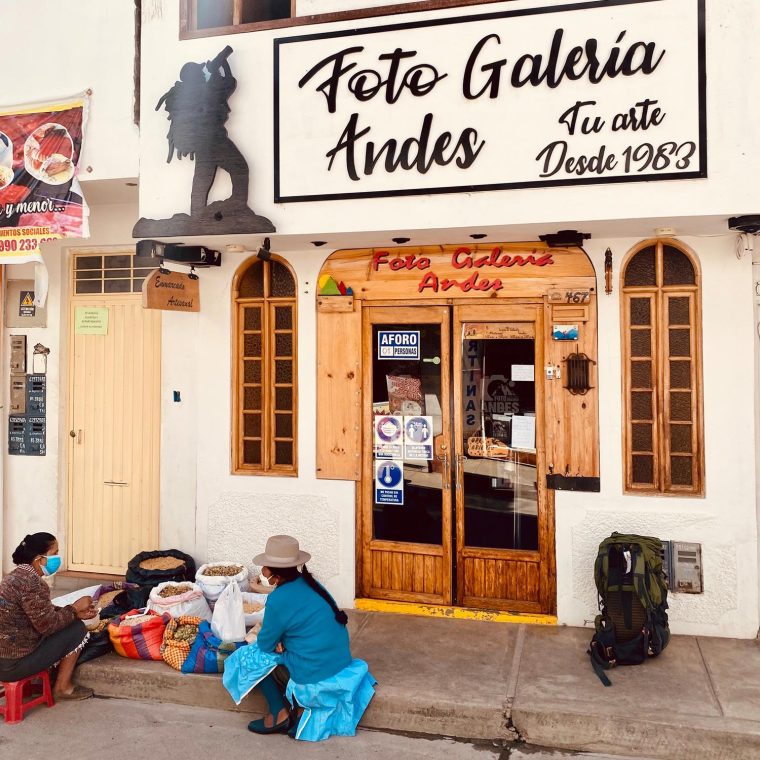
{"x":231,"y":516}
{"x":35,"y":487}
{"x":732,"y":118}
{"x":54,"y":50}
{"x":724,"y":521}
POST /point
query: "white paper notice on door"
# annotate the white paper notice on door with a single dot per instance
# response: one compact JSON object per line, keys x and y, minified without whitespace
{"x":523,"y":372}
{"x":523,"y":432}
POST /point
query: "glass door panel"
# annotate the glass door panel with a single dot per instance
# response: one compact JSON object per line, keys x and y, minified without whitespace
{"x":406,"y":514}
{"x":498,"y":464}
{"x":405,"y":387}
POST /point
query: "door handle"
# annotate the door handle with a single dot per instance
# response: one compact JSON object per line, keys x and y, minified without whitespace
{"x":446,"y":475}
{"x":114,"y":483}
{"x":76,"y":434}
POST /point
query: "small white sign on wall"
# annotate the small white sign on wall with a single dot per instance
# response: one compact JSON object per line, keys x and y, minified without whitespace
{"x":527,"y":95}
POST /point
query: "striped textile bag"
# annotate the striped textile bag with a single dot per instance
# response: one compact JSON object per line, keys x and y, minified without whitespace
{"x":175,"y":651}
{"x":208,"y":653}
{"x":141,"y":641}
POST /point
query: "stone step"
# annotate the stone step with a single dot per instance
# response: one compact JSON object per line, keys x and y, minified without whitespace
{"x":122,"y":678}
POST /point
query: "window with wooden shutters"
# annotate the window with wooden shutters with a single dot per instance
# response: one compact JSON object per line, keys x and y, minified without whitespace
{"x":264,"y":425}
{"x":662,"y":371}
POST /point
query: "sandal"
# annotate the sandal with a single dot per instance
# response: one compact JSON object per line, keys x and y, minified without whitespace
{"x":78,"y":693}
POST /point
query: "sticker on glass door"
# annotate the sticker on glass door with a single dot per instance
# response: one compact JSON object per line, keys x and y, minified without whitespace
{"x":398,"y":344}
{"x":389,"y":482}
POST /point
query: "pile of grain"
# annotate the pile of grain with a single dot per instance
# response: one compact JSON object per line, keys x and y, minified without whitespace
{"x":136,"y":620}
{"x":186,"y":633}
{"x":174,"y":590}
{"x":162,"y":563}
{"x":105,"y":600}
{"x":250,"y":607}
{"x":225,"y":570}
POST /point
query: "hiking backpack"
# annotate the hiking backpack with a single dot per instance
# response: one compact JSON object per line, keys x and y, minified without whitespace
{"x":633,"y":599}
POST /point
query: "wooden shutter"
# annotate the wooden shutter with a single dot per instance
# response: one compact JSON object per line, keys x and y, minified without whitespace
{"x":339,"y":390}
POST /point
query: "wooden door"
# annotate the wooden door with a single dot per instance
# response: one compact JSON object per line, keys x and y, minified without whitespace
{"x":114,"y":413}
{"x":406,"y":547}
{"x":504,"y":515}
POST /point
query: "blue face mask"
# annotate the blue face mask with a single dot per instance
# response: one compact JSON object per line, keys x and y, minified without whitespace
{"x":52,"y":564}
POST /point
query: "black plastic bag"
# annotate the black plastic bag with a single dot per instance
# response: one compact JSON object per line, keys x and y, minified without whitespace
{"x":97,"y":645}
{"x":149,"y":579}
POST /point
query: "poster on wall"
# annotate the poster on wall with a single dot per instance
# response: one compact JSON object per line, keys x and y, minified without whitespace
{"x":527,"y":95}
{"x":389,"y":482}
{"x":40,"y":196}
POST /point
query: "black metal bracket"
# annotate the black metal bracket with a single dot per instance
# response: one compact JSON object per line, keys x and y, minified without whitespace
{"x":567,"y":483}
{"x":565,"y":239}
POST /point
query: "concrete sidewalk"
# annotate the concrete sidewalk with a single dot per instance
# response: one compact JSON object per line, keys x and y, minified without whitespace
{"x":494,"y":681}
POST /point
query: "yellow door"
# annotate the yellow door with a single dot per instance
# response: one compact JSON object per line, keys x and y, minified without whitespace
{"x":114,"y":413}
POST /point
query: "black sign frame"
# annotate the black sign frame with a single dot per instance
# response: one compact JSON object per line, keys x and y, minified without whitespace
{"x":700,"y":173}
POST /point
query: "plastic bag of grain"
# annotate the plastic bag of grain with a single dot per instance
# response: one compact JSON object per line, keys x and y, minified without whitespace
{"x":214,"y":577}
{"x":179,"y":599}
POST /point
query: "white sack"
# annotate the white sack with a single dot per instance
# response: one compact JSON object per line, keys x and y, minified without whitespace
{"x":251,"y":618}
{"x":191,"y":602}
{"x":213,"y":585}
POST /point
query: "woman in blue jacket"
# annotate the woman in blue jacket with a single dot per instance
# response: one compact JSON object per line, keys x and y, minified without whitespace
{"x":304,"y":631}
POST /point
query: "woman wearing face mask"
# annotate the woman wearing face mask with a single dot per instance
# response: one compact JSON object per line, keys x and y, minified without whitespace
{"x":34,"y":634}
{"x":304,"y":631}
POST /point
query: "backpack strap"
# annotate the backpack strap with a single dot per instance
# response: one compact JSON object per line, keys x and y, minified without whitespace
{"x":598,"y":663}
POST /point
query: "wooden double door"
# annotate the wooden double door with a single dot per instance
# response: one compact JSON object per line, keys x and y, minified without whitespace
{"x":454,"y":508}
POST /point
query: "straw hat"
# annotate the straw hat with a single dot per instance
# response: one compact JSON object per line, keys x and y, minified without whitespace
{"x":281,"y":551}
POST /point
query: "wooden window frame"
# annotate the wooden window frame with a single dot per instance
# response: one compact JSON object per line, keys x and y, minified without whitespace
{"x":661,"y":358}
{"x":268,"y":305}
{"x":188,"y":16}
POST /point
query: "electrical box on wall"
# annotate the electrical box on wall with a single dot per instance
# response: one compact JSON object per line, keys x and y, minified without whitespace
{"x":686,"y":567}
{"x":18,"y":354}
{"x":20,"y":309}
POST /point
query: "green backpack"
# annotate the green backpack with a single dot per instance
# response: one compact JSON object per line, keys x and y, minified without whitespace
{"x":633,"y":599}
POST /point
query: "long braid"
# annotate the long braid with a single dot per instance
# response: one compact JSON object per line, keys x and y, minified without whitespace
{"x":311,"y":581}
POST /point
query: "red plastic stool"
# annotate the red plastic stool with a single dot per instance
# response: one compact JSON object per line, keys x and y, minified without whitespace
{"x":14,"y":708}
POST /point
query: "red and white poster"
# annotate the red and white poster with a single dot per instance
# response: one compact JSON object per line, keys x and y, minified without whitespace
{"x":40,"y":196}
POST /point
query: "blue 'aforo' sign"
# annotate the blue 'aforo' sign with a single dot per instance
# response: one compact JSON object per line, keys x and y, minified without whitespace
{"x":398,"y":344}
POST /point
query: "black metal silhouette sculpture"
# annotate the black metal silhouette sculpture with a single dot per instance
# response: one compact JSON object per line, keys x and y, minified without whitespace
{"x":198,"y":110}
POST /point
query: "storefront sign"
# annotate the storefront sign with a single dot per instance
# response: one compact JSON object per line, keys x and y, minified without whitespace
{"x":171,"y":291}
{"x":418,"y":438}
{"x":576,"y":93}
{"x":398,"y":344}
{"x":91,"y":320}
{"x":389,"y":437}
{"x":40,"y":196}
{"x":389,"y":482}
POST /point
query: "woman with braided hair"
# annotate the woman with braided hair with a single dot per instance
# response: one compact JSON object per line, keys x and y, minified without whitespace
{"x":301,"y":660}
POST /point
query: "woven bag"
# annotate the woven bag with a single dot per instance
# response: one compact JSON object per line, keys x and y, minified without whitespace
{"x":174,"y":651}
{"x":138,"y":642}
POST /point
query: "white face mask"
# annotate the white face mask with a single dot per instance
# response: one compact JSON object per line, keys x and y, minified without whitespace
{"x":265,"y":582}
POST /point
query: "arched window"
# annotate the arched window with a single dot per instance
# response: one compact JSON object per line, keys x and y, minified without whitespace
{"x":264,"y":426}
{"x":662,"y":371}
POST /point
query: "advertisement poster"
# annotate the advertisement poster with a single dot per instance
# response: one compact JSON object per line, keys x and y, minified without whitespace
{"x":389,"y":482}
{"x":418,"y":438}
{"x":40,"y":196}
{"x":389,"y":437}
